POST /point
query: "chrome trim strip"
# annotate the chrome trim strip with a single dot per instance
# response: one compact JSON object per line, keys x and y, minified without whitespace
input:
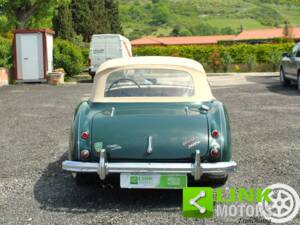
{"x":113,"y":109}
{"x":149,"y":148}
{"x":186,"y":110}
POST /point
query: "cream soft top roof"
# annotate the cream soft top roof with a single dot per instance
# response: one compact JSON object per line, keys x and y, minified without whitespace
{"x":201,"y":86}
{"x":151,"y":60}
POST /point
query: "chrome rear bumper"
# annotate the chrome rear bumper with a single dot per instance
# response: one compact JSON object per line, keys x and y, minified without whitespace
{"x":103,"y":168}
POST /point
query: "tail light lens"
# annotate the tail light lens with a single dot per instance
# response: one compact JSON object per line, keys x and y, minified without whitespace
{"x":214,"y":152}
{"x":84,"y":154}
{"x":215,"y":134}
{"x":84,"y":135}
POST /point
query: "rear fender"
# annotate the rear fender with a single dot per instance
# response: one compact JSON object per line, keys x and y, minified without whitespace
{"x":218,"y":120}
{"x":81,"y":123}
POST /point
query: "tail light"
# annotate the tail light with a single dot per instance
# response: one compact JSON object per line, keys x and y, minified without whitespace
{"x":215,"y":134}
{"x":214,"y":152}
{"x":84,"y":154}
{"x":84,"y":135}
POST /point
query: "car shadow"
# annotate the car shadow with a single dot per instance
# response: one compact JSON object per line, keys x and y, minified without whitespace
{"x":279,"y":89}
{"x":274,"y":85}
{"x":56,"y":190}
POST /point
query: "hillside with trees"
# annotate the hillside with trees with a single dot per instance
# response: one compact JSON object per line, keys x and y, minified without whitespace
{"x":71,"y":18}
{"x":204,"y":17}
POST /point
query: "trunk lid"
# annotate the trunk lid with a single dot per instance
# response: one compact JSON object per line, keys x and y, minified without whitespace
{"x":172,"y":133}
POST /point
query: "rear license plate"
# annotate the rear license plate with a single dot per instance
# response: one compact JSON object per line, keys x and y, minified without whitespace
{"x":153,"y":180}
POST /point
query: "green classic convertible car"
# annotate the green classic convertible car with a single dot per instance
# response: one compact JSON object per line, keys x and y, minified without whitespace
{"x":152,"y":122}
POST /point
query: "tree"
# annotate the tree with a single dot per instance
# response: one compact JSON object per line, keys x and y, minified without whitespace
{"x":5,"y":24}
{"x":185,"y":32}
{"x":112,"y":10}
{"x":5,"y":53}
{"x":180,"y":31}
{"x":90,"y":17}
{"x":227,"y":30}
{"x":24,"y":13}
{"x":63,"y":24}
{"x":160,"y":14}
{"x":204,"y":29}
{"x":287,"y":30}
{"x":175,"y":31}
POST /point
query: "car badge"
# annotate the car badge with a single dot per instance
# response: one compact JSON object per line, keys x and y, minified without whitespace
{"x":98,"y":146}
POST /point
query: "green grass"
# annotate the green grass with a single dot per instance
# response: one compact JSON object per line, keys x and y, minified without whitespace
{"x":248,"y":23}
{"x":292,"y":14}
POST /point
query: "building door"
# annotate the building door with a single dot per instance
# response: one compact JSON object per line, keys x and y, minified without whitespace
{"x":30,"y":66}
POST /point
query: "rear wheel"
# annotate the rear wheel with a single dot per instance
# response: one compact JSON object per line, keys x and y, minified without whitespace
{"x":82,"y":179}
{"x":283,"y":80}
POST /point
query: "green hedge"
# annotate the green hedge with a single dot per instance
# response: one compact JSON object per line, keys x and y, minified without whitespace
{"x":239,"y":53}
{"x":68,"y":56}
{"x":5,"y":52}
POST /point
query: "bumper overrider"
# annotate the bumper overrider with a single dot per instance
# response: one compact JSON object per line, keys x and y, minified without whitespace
{"x":104,"y":168}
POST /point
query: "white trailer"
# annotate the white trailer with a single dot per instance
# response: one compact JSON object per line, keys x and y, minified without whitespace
{"x":107,"y":46}
{"x":33,"y":54}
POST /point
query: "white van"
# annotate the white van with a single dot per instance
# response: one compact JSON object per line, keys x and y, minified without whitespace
{"x":107,"y":46}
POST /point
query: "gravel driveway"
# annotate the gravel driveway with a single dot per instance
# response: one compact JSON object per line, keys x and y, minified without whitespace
{"x":34,"y":127}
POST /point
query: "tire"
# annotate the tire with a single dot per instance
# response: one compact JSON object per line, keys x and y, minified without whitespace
{"x":209,"y":181}
{"x":216,"y":181}
{"x":83,"y":179}
{"x":283,"y":80}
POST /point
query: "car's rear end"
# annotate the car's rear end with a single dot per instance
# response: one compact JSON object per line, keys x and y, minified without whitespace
{"x":148,"y":128}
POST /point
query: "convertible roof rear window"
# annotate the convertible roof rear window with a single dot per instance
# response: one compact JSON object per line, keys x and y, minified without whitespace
{"x":148,"y":82}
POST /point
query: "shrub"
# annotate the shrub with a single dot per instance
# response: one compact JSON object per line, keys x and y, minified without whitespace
{"x":68,"y":56}
{"x":226,"y":61}
{"x":274,"y":58}
{"x":214,"y":60}
{"x":239,"y":53}
{"x":251,"y":61}
{"x":5,"y":52}
{"x":85,"y":54}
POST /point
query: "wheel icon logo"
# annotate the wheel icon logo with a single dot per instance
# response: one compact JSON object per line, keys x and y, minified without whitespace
{"x":284,"y":204}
